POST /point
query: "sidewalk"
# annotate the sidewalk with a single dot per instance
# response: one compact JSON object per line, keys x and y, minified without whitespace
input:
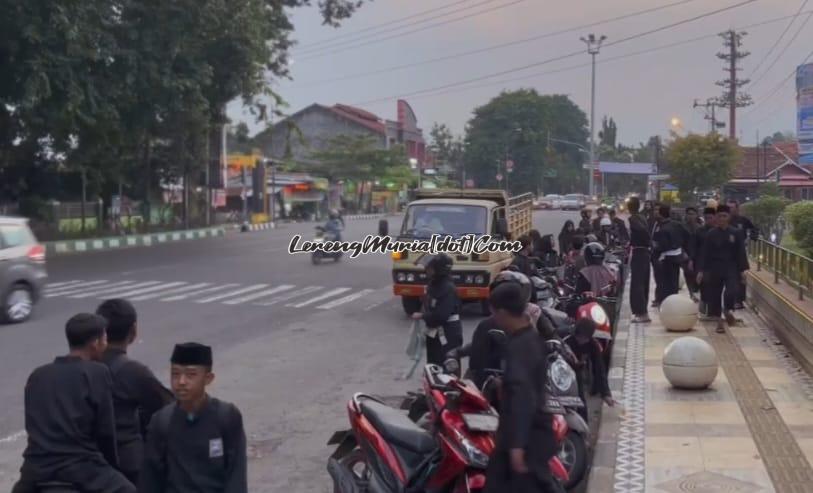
{"x":751,"y":431}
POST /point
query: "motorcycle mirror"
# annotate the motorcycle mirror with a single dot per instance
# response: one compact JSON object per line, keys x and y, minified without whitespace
{"x":383,"y":228}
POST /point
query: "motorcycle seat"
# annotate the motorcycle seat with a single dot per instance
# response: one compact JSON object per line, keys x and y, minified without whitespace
{"x":397,"y":427}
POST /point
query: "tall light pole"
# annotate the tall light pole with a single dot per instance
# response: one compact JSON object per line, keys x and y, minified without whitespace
{"x":593,"y":46}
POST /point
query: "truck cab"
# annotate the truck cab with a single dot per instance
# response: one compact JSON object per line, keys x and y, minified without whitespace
{"x":457,"y":213}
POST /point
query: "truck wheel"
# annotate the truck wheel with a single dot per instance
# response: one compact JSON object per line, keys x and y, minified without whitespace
{"x":485,"y":308}
{"x":411,"y":304}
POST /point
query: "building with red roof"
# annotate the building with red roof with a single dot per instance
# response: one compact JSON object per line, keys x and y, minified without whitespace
{"x":776,"y":163}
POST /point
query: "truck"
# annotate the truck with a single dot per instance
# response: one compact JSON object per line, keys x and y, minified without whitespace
{"x":458,"y":212}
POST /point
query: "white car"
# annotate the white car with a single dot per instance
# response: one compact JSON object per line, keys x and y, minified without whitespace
{"x":572,"y":202}
{"x":550,"y":201}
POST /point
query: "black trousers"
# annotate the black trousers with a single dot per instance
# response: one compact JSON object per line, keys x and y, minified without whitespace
{"x":667,"y":279}
{"x":639,"y":281}
{"x":690,"y":277}
{"x":715,"y":284}
{"x":436,"y":350}
{"x":93,"y":476}
{"x":501,"y":479}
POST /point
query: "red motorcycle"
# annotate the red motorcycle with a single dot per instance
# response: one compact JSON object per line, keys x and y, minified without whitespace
{"x":386,"y":452}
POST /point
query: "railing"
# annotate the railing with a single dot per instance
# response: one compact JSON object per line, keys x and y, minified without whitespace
{"x":789,"y":266}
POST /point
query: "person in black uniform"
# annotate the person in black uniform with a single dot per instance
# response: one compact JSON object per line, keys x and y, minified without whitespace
{"x":441,"y":309}
{"x":640,"y":242}
{"x":588,"y":355}
{"x":137,"y":394}
{"x":667,"y":254}
{"x":585,"y":225}
{"x":69,"y":417}
{"x":709,"y":221}
{"x":595,"y":226}
{"x":197,"y":444}
{"x":619,"y":228}
{"x":525,"y":440}
{"x":523,"y":260}
{"x":746,"y":229}
{"x":722,"y":266}
{"x":691,"y":224}
{"x":566,"y":237}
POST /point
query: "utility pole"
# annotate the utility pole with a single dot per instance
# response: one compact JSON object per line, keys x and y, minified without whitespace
{"x":593,"y":46}
{"x":730,"y":98}
{"x":711,"y":113}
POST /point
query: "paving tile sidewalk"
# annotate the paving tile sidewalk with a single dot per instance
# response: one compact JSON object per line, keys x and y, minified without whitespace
{"x":751,"y":431}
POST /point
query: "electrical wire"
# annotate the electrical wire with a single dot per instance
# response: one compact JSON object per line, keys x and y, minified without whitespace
{"x":322,"y":54}
{"x":777,"y":87}
{"x":486,"y":49}
{"x":782,"y":53}
{"x":556,"y":58}
{"x":779,"y":39}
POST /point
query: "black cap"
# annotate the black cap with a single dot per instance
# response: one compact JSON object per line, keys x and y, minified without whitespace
{"x":709,"y":210}
{"x":723,"y":208}
{"x":192,"y":354}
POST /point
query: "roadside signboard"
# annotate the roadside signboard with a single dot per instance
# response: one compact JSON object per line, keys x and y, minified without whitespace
{"x":804,"y":112}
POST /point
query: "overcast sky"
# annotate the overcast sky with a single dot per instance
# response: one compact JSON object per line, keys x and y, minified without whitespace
{"x":642,"y":93}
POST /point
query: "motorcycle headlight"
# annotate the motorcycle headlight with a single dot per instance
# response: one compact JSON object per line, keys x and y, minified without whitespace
{"x":401,"y":277}
{"x":479,"y":279}
{"x":410,"y":277}
{"x":469,"y":279}
{"x":562,"y":375}
{"x":598,"y":315}
{"x":477,"y":458}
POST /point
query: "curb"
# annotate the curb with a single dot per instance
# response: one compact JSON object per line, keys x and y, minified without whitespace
{"x":270,"y":225}
{"x":56,"y":248}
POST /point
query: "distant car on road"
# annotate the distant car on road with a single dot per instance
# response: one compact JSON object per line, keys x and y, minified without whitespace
{"x":550,"y":201}
{"x":22,"y":270}
{"x":572,"y":202}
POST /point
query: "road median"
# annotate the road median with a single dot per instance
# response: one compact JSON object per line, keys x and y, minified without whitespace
{"x":72,"y":247}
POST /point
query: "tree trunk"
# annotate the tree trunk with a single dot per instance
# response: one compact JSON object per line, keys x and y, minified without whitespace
{"x":84,"y":196}
{"x":185,"y":198}
{"x":147,"y":179}
{"x":361,"y":195}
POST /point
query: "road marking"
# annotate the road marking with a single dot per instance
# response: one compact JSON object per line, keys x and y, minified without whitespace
{"x":110,"y":290}
{"x":13,"y":437}
{"x":375,"y":305}
{"x":60,"y":284}
{"x":200,"y":291}
{"x":288,"y":296}
{"x":332,"y":292}
{"x":189,"y":287}
{"x":346,"y":299}
{"x":261,"y":294}
{"x":232,"y":293}
{"x":151,"y":289}
{"x":73,"y":289}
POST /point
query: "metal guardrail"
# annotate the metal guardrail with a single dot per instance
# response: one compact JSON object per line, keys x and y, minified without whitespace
{"x":789,"y":266}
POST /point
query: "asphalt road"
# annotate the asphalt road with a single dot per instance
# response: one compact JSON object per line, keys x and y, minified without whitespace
{"x":292,"y":341}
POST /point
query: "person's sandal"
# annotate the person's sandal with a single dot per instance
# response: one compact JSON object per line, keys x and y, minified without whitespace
{"x":720,"y":327}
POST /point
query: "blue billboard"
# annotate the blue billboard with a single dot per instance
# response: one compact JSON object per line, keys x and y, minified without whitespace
{"x":804,"y":112}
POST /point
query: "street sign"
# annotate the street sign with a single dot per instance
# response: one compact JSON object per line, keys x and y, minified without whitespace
{"x":658,"y":177}
{"x":590,"y":166}
{"x":499,"y":176}
{"x":509,"y":165}
{"x":469,"y":183}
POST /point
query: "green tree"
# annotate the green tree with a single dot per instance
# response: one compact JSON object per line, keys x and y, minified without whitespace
{"x":447,"y":150}
{"x":800,"y":218}
{"x":608,"y":133}
{"x":700,"y":162}
{"x":765,"y":211}
{"x":516,"y":125}
{"x":770,"y":189}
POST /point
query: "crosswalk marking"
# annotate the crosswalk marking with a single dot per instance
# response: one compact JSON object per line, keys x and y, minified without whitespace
{"x":288,"y":296}
{"x":346,"y":299}
{"x":106,"y":290}
{"x":223,"y":296}
{"x":332,"y":292}
{"x":200,"y":291}
{"x":73,"y":289}
{"x":151,"y":289}
{"x":261,"y":294}
{"x":60,"y":284}
{"x":188,"y":287}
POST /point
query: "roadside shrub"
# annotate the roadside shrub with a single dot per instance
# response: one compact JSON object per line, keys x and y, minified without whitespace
{"x":765,"y":211}
{"x":800,"y":218}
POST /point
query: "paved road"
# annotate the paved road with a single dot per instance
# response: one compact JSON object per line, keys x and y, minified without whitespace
{"x":292,"y":341}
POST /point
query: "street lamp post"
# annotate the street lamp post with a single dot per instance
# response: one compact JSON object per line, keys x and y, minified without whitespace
{"x":593,"y":47}
{"x":414,"y":164}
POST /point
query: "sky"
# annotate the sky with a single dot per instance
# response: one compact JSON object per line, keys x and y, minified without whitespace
{"x":642,"y":92}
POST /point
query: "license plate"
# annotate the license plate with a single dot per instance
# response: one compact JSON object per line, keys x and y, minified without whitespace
{"x":481,"y":422}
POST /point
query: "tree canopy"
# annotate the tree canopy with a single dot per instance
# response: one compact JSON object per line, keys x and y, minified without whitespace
{"x":700,"y":162}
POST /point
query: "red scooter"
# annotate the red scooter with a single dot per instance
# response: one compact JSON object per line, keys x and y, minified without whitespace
{"x":386,"y":452}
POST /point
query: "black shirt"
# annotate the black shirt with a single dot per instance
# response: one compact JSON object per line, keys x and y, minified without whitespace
{"x":201,"y":454}
{"x":69,"y":415}
{"x":621,"y":233}
{"x":723,"y":250}
{"x":440,"y":302}
{"x":137,"y":395}
{"x":666,"y":235}
{"x":639,"y":231}
{"x":744,"y":227}
{"x":699,"y":239}
{"x":591,"y":351}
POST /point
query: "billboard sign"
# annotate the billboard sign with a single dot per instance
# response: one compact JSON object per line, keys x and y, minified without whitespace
{"x":804,"y":112}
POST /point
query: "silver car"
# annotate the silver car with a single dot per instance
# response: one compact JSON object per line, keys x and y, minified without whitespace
{"x":22,"y":270}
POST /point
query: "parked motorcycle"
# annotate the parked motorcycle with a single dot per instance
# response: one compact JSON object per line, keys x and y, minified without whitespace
{"x":322,"y":235}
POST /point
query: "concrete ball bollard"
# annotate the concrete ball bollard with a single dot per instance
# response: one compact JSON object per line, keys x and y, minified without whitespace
{"x":678,"y":313}
{"x":690,"y":363}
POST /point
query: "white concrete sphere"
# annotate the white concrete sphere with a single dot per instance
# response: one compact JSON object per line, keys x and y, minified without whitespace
{"x":678,"y":313}
{"x":690,"y":363}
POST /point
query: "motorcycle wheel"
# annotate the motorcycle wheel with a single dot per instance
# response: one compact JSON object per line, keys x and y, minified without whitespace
{"x":356,"y":463}
{"x":411,"y":304}
{"x":573,"y":455}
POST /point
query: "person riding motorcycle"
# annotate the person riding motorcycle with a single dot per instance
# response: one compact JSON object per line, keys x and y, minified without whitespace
{"x":607,"y":234}
{"x":595,"y":277}
{"x":334,"y":225}
{"x":441,"y":309}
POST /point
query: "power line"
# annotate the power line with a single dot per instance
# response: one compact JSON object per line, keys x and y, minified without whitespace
{"x":494,"y":47}
{"x":378,"y":26}
{"x":781,"y":53}
{"x":560,"y":57}
{"x":321,"y":54}
{"x":779,"y":86}
{"x":779,"y":39}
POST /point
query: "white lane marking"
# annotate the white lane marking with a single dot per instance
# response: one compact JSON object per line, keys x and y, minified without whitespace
{"x":261,"y":294}
{"x":231,"y":294}
{"x":332,"y":292}
{"x":151,"y":289}
{"x":60,"y":284}
{"x":110,"y":290}
{"x":77,"y":288}
{"x":375,"y":305}
{"x":346,"y":299}
{"x":13,"y":437}
{"x":171,"y":291}
{"x":288,"y":296}
{"x":200,"y":291}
